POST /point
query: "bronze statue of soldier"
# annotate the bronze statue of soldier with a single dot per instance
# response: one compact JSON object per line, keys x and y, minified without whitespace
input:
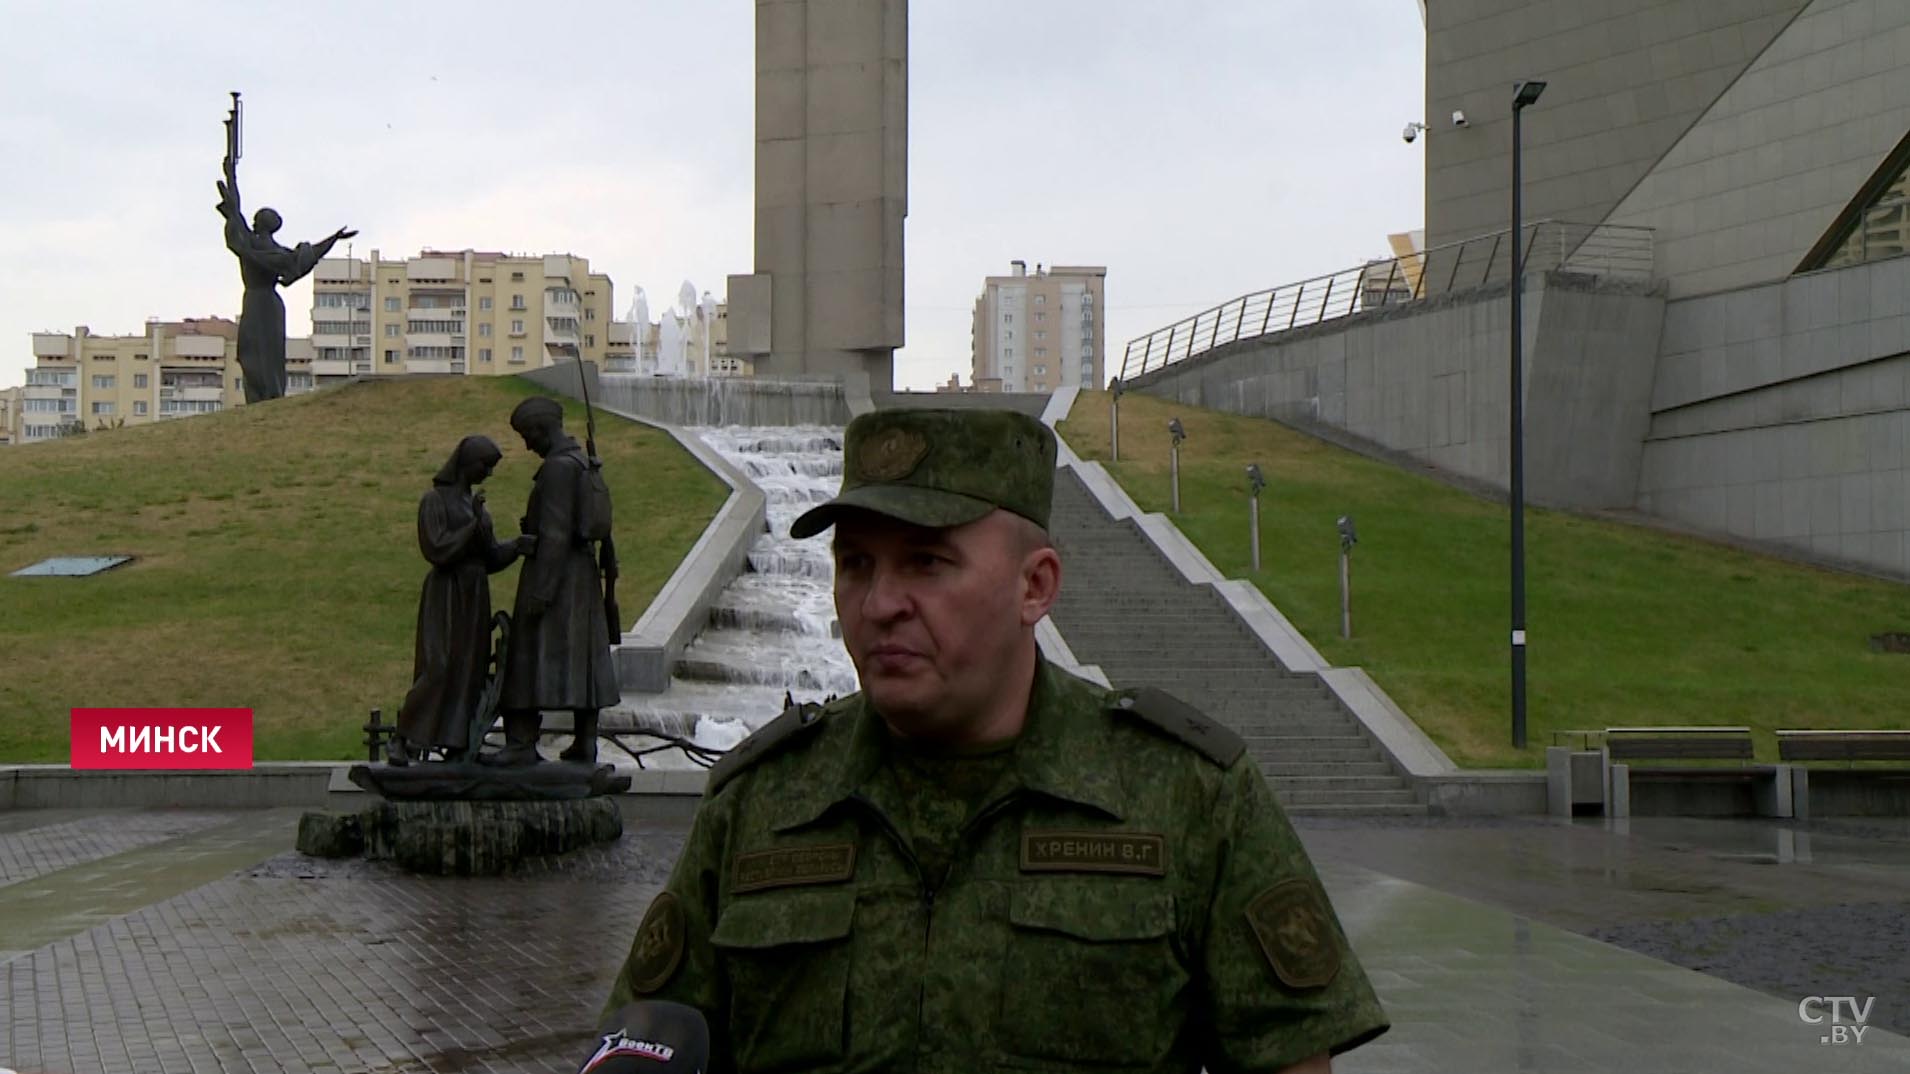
{"x":559,"y":653}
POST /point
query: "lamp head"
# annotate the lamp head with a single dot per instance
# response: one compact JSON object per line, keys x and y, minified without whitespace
{"x":1526,"y":93}
{"x":1255,"y":480}
{"x":1348,"y":537}
{"x":1175,"y":430}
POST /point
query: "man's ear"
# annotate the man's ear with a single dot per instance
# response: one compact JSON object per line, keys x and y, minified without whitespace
{"x":1040,"y":584}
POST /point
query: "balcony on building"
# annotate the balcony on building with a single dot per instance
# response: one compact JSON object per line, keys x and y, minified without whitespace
{"x":199,"y":346}
{"x":52,"y":344}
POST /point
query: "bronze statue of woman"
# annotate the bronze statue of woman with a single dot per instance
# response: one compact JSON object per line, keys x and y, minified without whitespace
{"x":265,"y":266}
{"x":454,"y":611}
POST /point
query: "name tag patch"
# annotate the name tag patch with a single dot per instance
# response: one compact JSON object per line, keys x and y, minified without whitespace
{"x":829,"y":863}
{"x":1134,"y":853}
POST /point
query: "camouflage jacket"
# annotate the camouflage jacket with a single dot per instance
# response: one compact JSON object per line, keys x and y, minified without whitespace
{"x":1134,"y":899}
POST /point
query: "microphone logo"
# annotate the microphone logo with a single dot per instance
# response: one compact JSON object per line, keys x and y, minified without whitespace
{"x":620,"y":1043}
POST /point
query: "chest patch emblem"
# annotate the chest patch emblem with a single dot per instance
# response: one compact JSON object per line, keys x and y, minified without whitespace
{"x":1134,"y":853}
{"x":828,"y":863}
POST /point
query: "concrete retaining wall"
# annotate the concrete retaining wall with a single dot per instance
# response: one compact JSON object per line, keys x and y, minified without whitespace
{"x":727,"y":400}
{"x":1431,"y":379}
{"x":57,"y":786}
{"x":1779,"y":415}
{"x":682,"y":607}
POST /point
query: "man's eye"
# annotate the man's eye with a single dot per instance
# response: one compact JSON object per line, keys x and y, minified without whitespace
{"x":927,"y":560}
{"x":852,"y":562}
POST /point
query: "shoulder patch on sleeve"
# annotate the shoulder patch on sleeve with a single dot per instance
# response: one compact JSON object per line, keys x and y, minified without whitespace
{"x":657,"y":950}
{"x":1170,"y":715}
{"x":795,"y":722}
{"x":1292,"y":924}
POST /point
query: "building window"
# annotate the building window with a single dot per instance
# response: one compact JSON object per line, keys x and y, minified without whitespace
{"x":591,"y":341}
{"x":517,"y":302}
{"x":139,"y":408}
{"x":484,"y":354}
{"x":1881,"y":228}
{"x":1043,"y":335}
{"x":103,"y":380}
{"x":391,"y":304}
{"x":484,"y":329}
{"x":517,"y":356}
{"x":1042,"y":370}
{"x":1041,"y":300}
{"x":517,"y":277}
{"x":1008,"y":318}
{"x":1009,"y":352}
{"x":517,"y":328}
{"x":102,"y":408}
{"x":391,"y":357}
{"x":1041,"y":315}
{"x":484,"y":302}
{"x":1042,"y":352}
{"x":391,"y":331}
{"x":139,"y":380}
{"x":590,"y":313}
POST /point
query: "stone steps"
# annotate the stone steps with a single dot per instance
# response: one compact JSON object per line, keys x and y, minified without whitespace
{"x":1276,"y":771}
{"x":1125,"y":608}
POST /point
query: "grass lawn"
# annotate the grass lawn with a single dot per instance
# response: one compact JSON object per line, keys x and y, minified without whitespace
{"x":278,"y":565}
{"x":1627,"y":625}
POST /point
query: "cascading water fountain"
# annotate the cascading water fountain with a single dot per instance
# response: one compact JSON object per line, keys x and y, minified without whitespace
{"x":773,"y":630}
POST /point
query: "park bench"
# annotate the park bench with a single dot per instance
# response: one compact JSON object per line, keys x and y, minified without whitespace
{"x":1625,"y":747}
{"x":1798,"y":748}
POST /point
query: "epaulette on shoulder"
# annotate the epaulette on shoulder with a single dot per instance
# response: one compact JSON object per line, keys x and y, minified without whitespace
{"x":796,"y":722}
{"x":1170,"y":715}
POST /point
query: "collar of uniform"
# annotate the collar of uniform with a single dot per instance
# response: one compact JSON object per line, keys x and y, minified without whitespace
{"x":1064,"y":750}
{"x":1055,"y":755}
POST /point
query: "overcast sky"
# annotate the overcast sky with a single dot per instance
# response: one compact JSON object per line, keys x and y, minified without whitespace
{"x":1198,"y":149}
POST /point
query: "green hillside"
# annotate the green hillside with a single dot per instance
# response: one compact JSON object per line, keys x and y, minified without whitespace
{"x":1627,"y":624}
{"x":278,"y":565}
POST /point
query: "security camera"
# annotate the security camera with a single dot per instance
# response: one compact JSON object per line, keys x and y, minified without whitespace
{"x":1458,"y":118}
{"x":1411,"y":133}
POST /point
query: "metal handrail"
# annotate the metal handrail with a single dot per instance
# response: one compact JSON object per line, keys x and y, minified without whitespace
{"x":1607,"y":250}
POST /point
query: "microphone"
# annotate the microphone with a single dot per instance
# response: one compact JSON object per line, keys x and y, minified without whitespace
{"x":652,"y":1036}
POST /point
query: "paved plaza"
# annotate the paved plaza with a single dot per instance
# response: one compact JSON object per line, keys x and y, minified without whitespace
{"x":199,"y":942}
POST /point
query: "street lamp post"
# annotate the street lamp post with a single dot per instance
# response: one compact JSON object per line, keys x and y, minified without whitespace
{"x":1114,"y":418}
{"x":1255,"y":482}
{"x":1178,"y":433}
{"x":1523,"y":94}
{"x":1348,"y":538}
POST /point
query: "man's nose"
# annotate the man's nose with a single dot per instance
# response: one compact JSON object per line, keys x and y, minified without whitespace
{"x":887,"y":595}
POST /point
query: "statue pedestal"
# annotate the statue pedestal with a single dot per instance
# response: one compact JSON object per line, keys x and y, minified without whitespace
{"x":469,"y":820}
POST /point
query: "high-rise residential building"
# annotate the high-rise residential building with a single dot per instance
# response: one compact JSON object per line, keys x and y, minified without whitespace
{"x":1042,"y":331}
{"x":174,"y":369}
{"x":471,"y":312}
{"x":10,"y":414}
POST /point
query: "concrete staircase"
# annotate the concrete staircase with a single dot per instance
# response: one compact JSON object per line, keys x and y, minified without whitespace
{"x":1125,"y":608}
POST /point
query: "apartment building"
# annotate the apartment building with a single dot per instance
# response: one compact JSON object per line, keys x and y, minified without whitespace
{"x":10,"y":414}
{"x":173,"y":369}
{"x":471,"y":312}
{"x":1041,"y":331}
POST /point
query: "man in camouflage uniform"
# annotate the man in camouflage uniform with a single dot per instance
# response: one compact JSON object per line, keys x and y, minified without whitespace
{"x":980,"y":862}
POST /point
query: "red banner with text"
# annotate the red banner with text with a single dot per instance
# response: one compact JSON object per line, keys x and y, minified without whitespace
{"x":162,"y":738}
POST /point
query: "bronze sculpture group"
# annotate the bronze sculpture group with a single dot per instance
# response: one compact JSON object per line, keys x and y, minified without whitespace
{"x":553,"y":650}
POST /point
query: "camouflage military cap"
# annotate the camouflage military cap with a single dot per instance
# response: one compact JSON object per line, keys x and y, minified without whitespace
{"x":941,"y":468}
